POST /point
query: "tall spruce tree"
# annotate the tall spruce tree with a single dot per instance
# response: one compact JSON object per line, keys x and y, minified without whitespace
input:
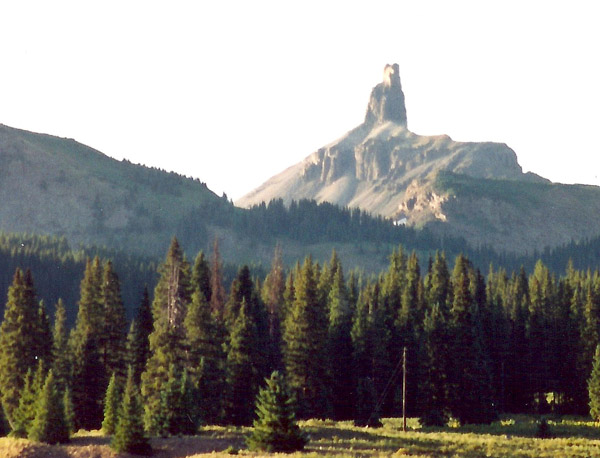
{"x":206,"y":358}
{"x":305,"y":335}
{"x":112,"y":403}
{"x":275,"y":429}
{"x":339,"y":342}
{"x":61,"y":361}
{"x":49,"y":424}
{"x":24,"y":414}
{"x":167,"y":340}
{"x":138,"y":344}
{"x":217,"y":291}
{"x":434,"y":402}
{"x":201,"y":278}
{"x":112,"y":340}
{"x":88,"y":383}
{"x":471,"y":390}
{"x":19,"y":345}
{"x":594,"y":387}
{"x":273,"y":296}
{"x":242,"y":375}
{"x":129,"y":434}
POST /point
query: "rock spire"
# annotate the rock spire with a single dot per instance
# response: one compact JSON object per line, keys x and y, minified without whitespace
{"x":387,"y":99}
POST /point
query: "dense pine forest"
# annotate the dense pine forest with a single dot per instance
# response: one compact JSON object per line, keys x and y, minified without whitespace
{"x":478,"y":344}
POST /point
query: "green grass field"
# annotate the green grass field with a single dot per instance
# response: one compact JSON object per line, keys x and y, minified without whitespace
{"x":514,"y":437}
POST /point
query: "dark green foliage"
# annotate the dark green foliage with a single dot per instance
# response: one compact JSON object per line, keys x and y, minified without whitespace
{"x":206,"y":358}
{"x":507,"y":342}
{"x":273,"y":296}
{"x":88,"y":384}
{"x":201,"y":278}
{"x":178,"y":413}
{"x":367,"y":412}
{"x":339,"y":348}
{"x":49,"y":424}
{"x":4,"y":426}
{"x":217,"y":291}
{"x":112,"y":339}
{"x":470,"y":383}
{"x":112,"y":403}
{"x":129,"y":435}
{"x":241,"y":373}
{"x":167,"y":341}
{"x":594,"y":387}
{"x":19,"y":345}
{"x":69,"y":410}
{"x":275,"y":429}
{"x":24,"y":414}
{"x":138,"y":344}
{"x":434,"y":392}
{"x":305,"y":337}
{"x":61,"y":362}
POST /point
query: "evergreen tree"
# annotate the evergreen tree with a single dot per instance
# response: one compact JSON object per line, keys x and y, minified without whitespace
{"x":339,"y":348}
{"x":90,"y":313}
{"x":49,"y":424}
{"x":242,"y":374}
{"x":24,"y":414}
{"x":43,"y":336}
{"x":273,"y":296}
{"x":434,"y":392}
{"x":113,"y":337}
{"x":275,"y":429}
{"x":217,"y":291}
{"x":129,"y":434}
{"x":201,"y":279}
{"x":206,"y":359}
{"x":594,"y":387}
{"x":19,"y":349}
{"x":178,"y":410}
{"x":112,"y":402}
{"x":138,"y":345}
{"x":167,"y":340}
{"x":470,"y":381}
{"x":88,"y":382}
{"x":61,"y":363}
{"x":69,"y":410}
{"x":367,"y":412}
{"x":304,"y":345}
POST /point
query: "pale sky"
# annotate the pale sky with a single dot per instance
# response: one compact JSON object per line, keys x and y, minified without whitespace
{"x":233,"y":92}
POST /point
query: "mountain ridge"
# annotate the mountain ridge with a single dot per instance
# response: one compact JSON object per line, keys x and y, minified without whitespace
{"x":382,"y":167}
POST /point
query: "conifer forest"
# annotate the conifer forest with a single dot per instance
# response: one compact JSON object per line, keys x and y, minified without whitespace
{"x":197,"y":351}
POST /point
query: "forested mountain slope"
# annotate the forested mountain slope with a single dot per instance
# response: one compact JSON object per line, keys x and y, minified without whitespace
{"x":58,"y":186}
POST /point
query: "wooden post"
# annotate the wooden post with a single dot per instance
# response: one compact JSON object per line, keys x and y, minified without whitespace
{"x":404,"y":390}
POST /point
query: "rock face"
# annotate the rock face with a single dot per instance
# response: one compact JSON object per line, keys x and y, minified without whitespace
{"x":373,"y":165}
{"x":387,"y":99}
{"x":382,"y":167}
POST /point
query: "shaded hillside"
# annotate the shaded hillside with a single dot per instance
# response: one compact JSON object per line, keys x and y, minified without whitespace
{"x":58,"y":186}
{"x":383,"y":168}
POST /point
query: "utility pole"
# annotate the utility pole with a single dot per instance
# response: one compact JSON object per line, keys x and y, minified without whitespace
{"x":404,"y":390}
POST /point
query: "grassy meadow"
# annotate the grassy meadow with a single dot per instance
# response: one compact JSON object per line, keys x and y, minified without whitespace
{"x":514,"y":437}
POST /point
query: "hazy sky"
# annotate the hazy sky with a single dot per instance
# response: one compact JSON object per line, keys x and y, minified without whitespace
{"x":232,"y":92}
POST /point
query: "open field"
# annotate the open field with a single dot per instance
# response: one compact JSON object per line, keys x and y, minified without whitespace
{"x":507,"y":438}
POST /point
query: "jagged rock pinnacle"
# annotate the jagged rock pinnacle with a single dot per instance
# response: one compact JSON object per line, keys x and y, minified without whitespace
{"x":387,"y":99}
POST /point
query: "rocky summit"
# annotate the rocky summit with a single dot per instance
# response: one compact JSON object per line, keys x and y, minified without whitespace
{"x":384,"y":168}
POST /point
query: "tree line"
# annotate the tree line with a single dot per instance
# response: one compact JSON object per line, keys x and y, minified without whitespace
{"x":198,"y":353}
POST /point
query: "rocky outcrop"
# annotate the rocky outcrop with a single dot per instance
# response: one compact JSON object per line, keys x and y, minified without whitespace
{"x":387,"y":99}
{"x":384,"y":168}
{"x":372,"y":165}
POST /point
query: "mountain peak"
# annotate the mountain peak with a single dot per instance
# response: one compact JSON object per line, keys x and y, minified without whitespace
{"x":387,"y":99}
